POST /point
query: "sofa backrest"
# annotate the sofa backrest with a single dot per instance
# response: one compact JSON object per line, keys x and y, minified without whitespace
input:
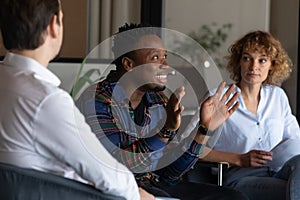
{"x":19,"y":184}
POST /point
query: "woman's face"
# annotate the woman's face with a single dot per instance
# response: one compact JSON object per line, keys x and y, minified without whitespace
{"x":255,"y":66}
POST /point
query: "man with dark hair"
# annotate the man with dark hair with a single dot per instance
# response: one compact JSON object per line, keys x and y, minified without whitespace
{"x":34,"y":132}
{"x":135,"y":121}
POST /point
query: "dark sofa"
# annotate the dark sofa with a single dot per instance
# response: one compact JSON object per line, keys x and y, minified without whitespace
{"x":26,"y":184}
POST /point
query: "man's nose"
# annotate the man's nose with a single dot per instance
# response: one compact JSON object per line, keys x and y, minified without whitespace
{"x":164,"y":63}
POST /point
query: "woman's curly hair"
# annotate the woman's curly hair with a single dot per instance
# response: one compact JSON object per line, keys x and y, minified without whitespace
{"x":281,"y":65}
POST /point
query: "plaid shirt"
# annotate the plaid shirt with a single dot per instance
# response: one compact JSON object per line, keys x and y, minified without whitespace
{"x":108,"y":112}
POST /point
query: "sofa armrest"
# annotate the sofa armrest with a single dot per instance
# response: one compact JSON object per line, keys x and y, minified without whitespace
{"x":19,"y":183}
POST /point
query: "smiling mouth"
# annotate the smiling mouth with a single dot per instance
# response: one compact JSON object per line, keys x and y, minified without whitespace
{"x":162,"y":77}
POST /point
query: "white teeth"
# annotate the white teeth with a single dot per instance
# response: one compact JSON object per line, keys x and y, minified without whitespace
{"x":161,"y":76}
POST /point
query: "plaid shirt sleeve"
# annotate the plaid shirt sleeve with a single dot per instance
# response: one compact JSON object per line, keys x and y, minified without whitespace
{"x":142,"y":155}
{"x":138,"y":154}
{"x":172,"y":173}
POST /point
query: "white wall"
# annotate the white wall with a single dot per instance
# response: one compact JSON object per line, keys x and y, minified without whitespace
{"x":66,"y":72}
{"x":245,"y":15}
{"x":280,"y":17}
{"x":277,"y":16}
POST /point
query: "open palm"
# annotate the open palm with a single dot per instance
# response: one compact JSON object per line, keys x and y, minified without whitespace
{"x":217,"y":108}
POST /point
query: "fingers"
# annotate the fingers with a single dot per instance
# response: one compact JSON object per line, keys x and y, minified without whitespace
{"x":174,"y":109}
{"x":260,"y":158}
{"x":259,"y":163}
{"x":233,"y":108}
{"x":228,"y":92}
{"x":180,"y":92}
{"x":176,"y":98}
{"x":264,"y":155}
{"x":230,"y":100}
{"x":220,"y":89}
{"x":232,"y":104}
{"x":179,"y":110}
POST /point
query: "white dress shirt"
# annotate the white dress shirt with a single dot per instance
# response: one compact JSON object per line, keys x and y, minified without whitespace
{"x":244,"y":131}
{"x":43,"y":130}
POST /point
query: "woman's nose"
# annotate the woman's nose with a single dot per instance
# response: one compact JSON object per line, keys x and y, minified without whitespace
{"x":254,"y":64}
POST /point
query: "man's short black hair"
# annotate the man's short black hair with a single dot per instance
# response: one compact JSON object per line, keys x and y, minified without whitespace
{"x":127,"y":37}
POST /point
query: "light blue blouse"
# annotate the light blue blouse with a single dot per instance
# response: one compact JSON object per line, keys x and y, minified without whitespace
{"x":244,"y":131}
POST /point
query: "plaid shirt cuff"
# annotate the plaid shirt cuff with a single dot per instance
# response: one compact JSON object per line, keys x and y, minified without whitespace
{"x":195,"y":148}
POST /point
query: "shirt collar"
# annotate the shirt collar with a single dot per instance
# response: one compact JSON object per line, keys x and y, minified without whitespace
{"x":119,"y":95}
{"x":28,"y":64}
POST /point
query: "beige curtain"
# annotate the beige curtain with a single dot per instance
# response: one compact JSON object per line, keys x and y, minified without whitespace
{"x":106,"y":16}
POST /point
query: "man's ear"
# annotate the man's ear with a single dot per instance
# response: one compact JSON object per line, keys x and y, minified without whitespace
{"x":54,"y":27}
{"x":127,"y":63}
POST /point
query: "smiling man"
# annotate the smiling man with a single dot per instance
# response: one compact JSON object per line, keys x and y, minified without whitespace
{"x":136,"y":122}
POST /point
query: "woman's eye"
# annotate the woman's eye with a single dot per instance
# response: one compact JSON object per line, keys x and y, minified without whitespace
{"x":262,"y":60}
{"x":246,"y":58}
{"x":166,"y":56}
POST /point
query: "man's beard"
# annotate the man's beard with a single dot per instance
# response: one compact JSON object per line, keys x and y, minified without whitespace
{"x":152,"y":88}
{"x":159,"y":89}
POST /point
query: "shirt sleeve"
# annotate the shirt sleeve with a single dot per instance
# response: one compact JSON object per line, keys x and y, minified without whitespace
{"x":140,"y":157}
{"x":172,"y":173}
{"x":62,"y":135}
{"x":291,"y":126}
{"x":138,"y":154}
{"x":190,"y":151}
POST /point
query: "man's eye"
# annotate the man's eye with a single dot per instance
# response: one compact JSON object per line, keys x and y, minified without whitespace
{"x":155,"y":58}
{"x":165,"y":56}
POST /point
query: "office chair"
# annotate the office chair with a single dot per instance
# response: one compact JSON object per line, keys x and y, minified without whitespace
{"x":203,"y":171}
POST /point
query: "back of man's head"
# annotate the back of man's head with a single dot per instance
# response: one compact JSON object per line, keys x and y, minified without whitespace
{"x":23,"y":22}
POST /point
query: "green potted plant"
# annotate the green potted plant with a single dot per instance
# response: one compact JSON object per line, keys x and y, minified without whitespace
{"x":210,"y":37}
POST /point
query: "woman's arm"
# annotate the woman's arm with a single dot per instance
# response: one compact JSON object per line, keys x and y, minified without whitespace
{"x":221,"y":156}
{"x":254,"y":158}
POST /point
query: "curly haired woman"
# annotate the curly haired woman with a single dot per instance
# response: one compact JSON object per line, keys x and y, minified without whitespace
{"x":259,"y":64}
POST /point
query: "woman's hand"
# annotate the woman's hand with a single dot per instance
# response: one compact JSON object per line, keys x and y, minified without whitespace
{"x":255,"y":158}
